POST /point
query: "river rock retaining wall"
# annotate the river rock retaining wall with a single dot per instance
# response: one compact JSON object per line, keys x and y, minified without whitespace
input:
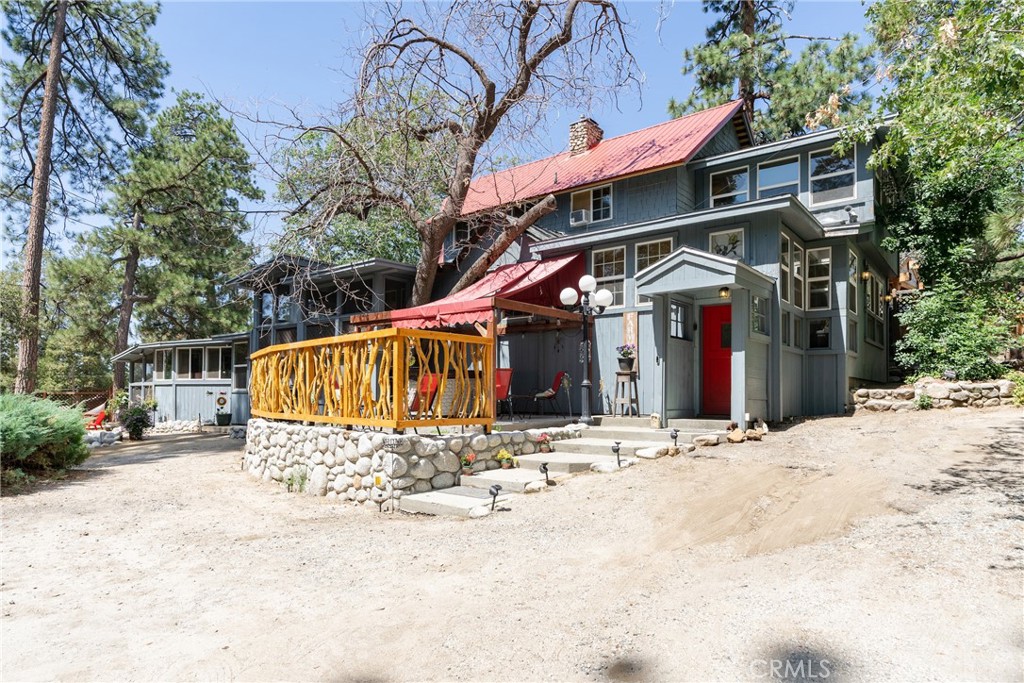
{"x":369,"y":466}
{"x":94,"y":438}
{"x":176,"y":427}
{"x":942,"y":395}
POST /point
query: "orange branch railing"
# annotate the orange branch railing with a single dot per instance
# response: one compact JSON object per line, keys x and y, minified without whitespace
{"x":376,"y":379}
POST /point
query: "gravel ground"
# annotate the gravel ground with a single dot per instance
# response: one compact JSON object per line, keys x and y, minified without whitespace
{"x":875,"y":547}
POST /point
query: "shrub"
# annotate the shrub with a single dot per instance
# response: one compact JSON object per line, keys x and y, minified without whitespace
{"x":38,"y":436}
{"x":1017,"y":378}
{"x":949,"y":328}
{"x":135,"y":420}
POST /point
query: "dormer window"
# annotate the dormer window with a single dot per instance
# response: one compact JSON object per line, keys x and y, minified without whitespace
{"x":730,"y":187}
{"x":833,"y":178}
{"x":778,"y":178}
{"x":591,"y":206}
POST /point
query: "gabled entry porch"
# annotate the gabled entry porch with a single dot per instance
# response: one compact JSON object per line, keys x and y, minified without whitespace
{"x":711,"y":318}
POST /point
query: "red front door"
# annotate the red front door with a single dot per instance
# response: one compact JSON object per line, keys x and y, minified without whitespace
{"x":716,"y":366}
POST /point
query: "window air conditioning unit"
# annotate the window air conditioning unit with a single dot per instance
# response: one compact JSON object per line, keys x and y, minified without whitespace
{"x":579,"y":217}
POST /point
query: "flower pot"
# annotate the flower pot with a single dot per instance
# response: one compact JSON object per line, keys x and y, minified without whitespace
{"x":506,"y":465}
{"x":467,"y":471}
{"x":545,"y":448}
{"x":223,"y":419}
{"x":626,"y":364}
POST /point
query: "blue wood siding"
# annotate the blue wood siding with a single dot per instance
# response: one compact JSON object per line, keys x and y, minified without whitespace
{"x":724,"y":141}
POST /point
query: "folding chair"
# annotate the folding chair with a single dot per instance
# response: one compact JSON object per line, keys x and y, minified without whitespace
{"x":503,"y":390}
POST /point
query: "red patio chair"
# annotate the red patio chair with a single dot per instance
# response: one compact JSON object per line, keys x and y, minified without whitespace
{"x":551,"y":395}
{"x":503,"y":390}
{"x":427,"y":388}
{"x":95,"y":418}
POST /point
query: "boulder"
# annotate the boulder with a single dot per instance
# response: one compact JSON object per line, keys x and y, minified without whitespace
{"x":877,"y":406}
{"x":421,"y":486}
{"x":735,"y":436}
{"x":989,"y":402}
{"x":442,"y":480}
{"x":480,"y":511}
{"x":937,"y":391}
{"x":455,"y":445}
{"x":652,"y":452}
{"x":424,"y":469}
{"x":478,"y":443}
{"x":363,"y":466}
{"x":395,"y":465}
{"x":535,"y":486}
{"x":904,"y":394}
{"x":1006,"y":388}
{"x":861,"y":393}
{"x":446,"y":461}
{"x":403,"y":482}
{"x":364,"y":446}
{"x":754,"y":435}
{"x":706,"y":440}
{"x":317,"y":485}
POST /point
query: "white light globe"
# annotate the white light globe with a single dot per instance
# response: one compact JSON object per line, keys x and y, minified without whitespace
{"x":588,"y":284}
{"x":603,"y":298}
{"x":568,"y":296}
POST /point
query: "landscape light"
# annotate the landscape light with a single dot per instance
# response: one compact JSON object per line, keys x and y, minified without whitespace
{"x":615,"y":450}
{"x":675,"y":436}
{"x":494,"y":491}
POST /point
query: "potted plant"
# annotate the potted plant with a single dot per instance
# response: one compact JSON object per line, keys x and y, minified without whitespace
{"x":544,"y":443}
{"x":467,"y":463}
{"x":627,"y":356}
{"x":504,"y":459}
{"x":135,"y":420}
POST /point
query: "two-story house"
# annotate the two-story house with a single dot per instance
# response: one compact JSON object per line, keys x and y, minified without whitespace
{"x":751,"y":277}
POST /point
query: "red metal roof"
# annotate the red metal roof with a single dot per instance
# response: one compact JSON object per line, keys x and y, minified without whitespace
{"x":530,"y":282}
{"x":664,"y":144}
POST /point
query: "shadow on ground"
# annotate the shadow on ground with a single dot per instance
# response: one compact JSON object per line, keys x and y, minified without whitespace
{"x":793,"y":662}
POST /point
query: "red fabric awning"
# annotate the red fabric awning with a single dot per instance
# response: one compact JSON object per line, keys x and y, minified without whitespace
{"x":532,"y":282}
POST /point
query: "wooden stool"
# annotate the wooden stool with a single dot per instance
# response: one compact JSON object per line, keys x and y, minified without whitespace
{"x":626,"y":394}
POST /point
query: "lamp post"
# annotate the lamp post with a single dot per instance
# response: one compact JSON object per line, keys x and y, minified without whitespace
{"x":591,"y":302}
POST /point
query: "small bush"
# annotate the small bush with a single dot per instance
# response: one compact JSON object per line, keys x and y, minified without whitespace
{"x":924,"y":402}
{"x":135,"y":420}
{"x":1017,"y":378}
{"x":38,"y":436}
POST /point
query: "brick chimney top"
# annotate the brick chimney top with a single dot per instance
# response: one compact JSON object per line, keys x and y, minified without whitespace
{"x":583,"y":135}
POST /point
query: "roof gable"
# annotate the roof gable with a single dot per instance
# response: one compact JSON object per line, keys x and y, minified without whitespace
{"x":665,"y":144}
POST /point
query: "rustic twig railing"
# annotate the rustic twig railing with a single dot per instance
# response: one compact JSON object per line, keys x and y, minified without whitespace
{"x":376,"y":379}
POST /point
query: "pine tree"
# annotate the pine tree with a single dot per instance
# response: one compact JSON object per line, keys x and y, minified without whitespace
{"x":748,"y":55}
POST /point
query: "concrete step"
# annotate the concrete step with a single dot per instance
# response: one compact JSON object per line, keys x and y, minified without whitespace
{"x":602,"y":447}
{"x":622,"y":421}
{"x":457,"y":501}
{"x":511,"y":481}
{"x":704,"y":426}
{"x":563,"y":462}
{"x":648,"y":435}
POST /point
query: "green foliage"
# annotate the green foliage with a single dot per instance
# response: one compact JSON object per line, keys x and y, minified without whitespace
{"x":951,"y":328}
{"x":296,"y":480}
{"x":135,"y":419}
{"x":751,"y":57}
{"x":924,"y":402}
{"x":38,"y":436}
{"x":1017,"y":377}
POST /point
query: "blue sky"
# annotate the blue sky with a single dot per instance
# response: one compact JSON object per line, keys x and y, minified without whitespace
{"x":298,"y":54}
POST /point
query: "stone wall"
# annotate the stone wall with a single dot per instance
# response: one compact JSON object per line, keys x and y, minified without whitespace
{"x":941,"y":393}
{"x":176,"y":427}
{"x":370,"y":466}
{"x":94,"y":438}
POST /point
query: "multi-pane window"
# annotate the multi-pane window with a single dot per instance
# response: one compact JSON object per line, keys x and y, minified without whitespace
{"x":819,"y":334}
{"x":798,"y":333}
{"x":784,"y":268}
{"x":798,"y":276}
{"x":598,"y":202}
{"x":240,"y":379}
{"x":728,"y":243}
{"x":610,"y":272}
{"x":649,"y":253}
{"x":678,"y":315}
{"x":851,"y":335}
{"x":777,"y":178}
{"x":759,"y":314}
{"x":165,"y":364}
{"x":819,"y":278}
{"x":267,"y":306}
{"x":853,"y":282}
{"x":284,"y":307}
{"x":190,"y":363}
{"x":730,"y":187}
{"x":785,"y":328}
{"x":832,"y":177}
{"x":874,"y":330}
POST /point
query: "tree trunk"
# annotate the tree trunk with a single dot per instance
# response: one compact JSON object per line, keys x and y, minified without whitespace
{"x":28,"y":344}
{"x":748,"y":19}
{"x":510,"y":234}
{"x":426,"y":268}
{"x":124,"y":320}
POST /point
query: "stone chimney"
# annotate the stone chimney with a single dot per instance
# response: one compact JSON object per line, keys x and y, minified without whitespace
{"x":583,"y":135}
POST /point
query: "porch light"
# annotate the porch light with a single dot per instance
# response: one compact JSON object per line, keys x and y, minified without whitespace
{"x":866,"y":275}
{"x":723,"y":293}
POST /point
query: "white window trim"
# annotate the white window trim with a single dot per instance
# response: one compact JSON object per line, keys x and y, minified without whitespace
{"x":742,"y":231}
{"x":799,"y":174}
{"x":767,"y":315}
{"x":711,"y":184}
{"x":202,"y":353}
{"x":162,"y":379}
{"x":808,"y":279}
{"x":784,"y":271}
{"x":206,"y":363}
{"x":812,"y":178}
{"x":853,"y":282}
{"x":801,"y":304}
{"x":600,"y":280}
{"x":672,"y":305}
{"x":636,"y":262}
{"x":590,"y":202}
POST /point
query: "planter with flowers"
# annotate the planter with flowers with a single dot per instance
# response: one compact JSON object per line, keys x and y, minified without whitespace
{"x":627,"y":356}
{"x":504,"y":459}
{"x":544,"y":443}
{"x":467,"y":463}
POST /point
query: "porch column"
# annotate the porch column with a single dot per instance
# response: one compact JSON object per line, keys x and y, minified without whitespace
{"x":740,"y":328}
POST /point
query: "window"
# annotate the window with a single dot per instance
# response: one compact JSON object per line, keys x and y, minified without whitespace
{"x":874,"y":302}
{"x":241,"y":377}
{"x":649,"y":253}
{"x":759,"y":314}
{"x":190,"y":363}
{"x":777,"y":178}
{"x":853,"y":282}
{"x":284,"y":307}
{"x":729,"y":187}
{"x":597,"y":201}
{"x":833,"y":178}
{"x":851,"y":335}
{"x":784,"y":269}
{"x":678,"y":317}
{"x":728,"y":243}
{"x":819,"y":336}
{"x":165,"y":364}
{"x":610,"y":272}
{"x":819,"y":279}
{"x":147,"y":370}
{"x":267,"y":306}
{"x":225,"y":362}
{"x":395,"y":295}
{"x":320,"y":304}
{"x":785,"y":328}
{"x":461,"y":235}
{"x":798,"y":333}
{"x":212,"y":363}
{"x":798,"y":276}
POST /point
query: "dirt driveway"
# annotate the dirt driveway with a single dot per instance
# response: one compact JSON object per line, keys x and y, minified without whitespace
{"x":881,"y":547}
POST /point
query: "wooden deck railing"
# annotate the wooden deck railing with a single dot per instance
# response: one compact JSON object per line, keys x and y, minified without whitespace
{"x":371,"y":379}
